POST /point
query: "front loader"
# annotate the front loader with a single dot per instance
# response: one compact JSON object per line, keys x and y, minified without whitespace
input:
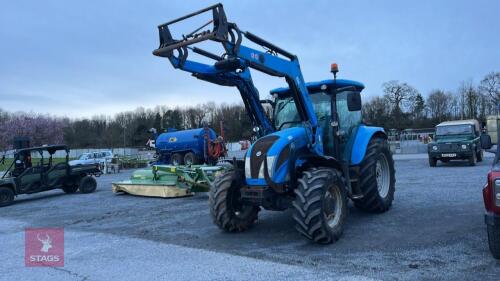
{"x":312,"y":155}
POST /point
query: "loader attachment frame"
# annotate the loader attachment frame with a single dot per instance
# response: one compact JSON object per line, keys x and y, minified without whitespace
{"x":219,"y":32}
{"x":233,"y":67}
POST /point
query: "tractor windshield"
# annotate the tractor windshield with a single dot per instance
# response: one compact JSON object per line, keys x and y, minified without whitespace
{"x":286,"y":115}
{"x":454,"y":130}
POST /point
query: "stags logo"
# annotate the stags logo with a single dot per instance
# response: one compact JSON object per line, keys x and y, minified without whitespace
{"x":44,"y":247}
{"x":46,"y":243}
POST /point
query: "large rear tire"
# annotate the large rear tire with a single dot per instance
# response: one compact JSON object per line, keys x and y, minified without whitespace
{"x":226,"y":209}
{"x":320,"y":205}
{"x":377,"y":177}
{"x":494,"y":240}
{"x":6,"y":196}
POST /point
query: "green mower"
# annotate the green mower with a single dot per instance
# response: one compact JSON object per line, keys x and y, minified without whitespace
{"x":169,"y":181}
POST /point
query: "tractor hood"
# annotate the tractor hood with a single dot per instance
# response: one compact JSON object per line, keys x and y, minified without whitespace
{"x":273,"y":151}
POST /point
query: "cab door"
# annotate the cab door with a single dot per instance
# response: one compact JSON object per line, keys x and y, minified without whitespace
{"x":30,"y":180}
{"x":348,"y":123}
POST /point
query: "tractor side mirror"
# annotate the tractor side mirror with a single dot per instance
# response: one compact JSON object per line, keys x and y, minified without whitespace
{"x":485,"y":140}
{"x":354,"y":101}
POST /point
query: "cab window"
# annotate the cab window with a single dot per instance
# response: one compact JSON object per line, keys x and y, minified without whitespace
{"x":347,"y":119}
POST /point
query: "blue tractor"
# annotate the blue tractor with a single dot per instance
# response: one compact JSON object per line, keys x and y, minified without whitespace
{"x":311,"y":155}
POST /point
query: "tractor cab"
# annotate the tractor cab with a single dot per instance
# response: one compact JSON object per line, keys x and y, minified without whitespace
{"x":342,"y":97}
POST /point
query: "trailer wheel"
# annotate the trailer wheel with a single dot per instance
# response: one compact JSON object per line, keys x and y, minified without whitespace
{"x":377,"y":177}
{"x":494,"y":240}
{"x":226,"y":209}
{"x":176,"y":159}
{"x":6,"y":196}
{"x":320,"y":205}
{"x":88,"y":184}
{"x":190,"y":159}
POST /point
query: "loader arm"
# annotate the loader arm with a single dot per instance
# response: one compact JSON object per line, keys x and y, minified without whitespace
{"x":233,"y":67}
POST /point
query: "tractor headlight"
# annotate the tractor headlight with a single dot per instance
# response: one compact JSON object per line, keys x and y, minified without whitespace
{"x":270,"y":167}
{"x":464,"y":146}
{"x":434,"y":147}
{"x":496,"y":192}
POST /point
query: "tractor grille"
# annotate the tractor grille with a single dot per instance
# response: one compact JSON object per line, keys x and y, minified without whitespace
{"x":259,"y":152}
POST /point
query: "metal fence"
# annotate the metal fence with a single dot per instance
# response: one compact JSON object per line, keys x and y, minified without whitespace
{"x":75,"y":153}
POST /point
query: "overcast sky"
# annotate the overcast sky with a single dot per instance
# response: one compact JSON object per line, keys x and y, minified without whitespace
{"x":81,"y":58}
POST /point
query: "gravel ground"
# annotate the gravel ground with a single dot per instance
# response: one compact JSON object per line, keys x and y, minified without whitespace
{"x":435,"y":231}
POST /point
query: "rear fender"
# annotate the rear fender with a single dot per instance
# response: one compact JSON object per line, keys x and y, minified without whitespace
{"x":363,"y":136}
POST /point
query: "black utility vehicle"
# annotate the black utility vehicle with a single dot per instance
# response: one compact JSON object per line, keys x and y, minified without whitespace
{"x":22,"y":177}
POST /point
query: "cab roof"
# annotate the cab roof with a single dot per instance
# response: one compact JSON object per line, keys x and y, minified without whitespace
{"x":459,"y":122}
{"x":314,"y":87}
{"x":49,"y":148}
{"x":472,"y":122}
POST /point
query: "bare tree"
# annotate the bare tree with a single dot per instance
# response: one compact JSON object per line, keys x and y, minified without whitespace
{"x":490,"y":87}
{"x":437,"y":103}
{"x":454,"y":105}
{"x":399,"y":94}
{"x":376,"y":111}
{"x":418,"y":107}
{"x":470,"y":99}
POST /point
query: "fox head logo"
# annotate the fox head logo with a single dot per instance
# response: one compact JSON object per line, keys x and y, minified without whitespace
{"x":46,"y":243}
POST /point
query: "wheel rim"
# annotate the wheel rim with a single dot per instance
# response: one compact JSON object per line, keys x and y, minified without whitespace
{"x":332,"y":206}
{"x":383,"y":176}
{"x":188,"y":161}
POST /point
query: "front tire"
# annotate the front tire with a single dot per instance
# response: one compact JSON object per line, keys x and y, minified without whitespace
{"x":472,"y":159}
{"x":494,"y":240}
{"x":6,"y":196}
{"x":226,"y":209}
{"x":88,"y":184}
{"x":432,"y":161}
{"x":320,"y":205}
{"x":377,"y":178}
